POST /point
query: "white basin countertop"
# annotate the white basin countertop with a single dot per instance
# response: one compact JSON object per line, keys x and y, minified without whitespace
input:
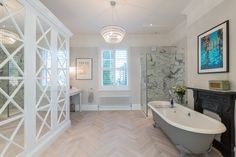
{"x":74,"y":91}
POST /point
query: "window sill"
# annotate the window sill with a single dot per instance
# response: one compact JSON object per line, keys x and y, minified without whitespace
{"x":114,"y":89}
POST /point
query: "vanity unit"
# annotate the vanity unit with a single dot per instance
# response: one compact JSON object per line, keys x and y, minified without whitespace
{"x":75,"y":99}
{"x":223,"y":104}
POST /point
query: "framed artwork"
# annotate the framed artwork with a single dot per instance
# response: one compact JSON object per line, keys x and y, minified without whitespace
{"x":84,"y":68}
{"x":213,"y":50}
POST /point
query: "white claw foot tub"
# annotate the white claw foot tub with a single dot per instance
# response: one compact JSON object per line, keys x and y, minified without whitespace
{"x":190,"y":131}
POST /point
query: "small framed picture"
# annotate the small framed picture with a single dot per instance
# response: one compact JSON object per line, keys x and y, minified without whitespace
{"x":84,"y":68}
{"x":213,"y":50}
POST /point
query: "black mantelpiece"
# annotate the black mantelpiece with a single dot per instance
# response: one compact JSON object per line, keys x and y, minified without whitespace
{"x":223,"y":104}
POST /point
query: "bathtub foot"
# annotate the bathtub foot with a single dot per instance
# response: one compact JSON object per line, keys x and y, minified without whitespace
{"x":206,"y":155}
{"x":183,"y":151}
{"x":183,"y":154}
{"x":155,"y":125}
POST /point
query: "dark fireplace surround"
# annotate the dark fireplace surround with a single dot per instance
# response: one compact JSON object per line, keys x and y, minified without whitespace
{"x":223,"y":104}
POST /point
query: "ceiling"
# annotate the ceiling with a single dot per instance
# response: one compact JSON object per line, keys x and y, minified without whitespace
{"x":136,"y":16}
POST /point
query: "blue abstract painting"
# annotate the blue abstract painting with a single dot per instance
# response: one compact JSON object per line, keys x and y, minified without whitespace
{"x":212,"y":50}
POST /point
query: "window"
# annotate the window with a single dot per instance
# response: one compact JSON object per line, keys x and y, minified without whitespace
{"x":114,"y":68}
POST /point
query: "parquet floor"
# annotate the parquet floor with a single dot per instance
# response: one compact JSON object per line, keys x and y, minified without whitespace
{"x":112,"y":134}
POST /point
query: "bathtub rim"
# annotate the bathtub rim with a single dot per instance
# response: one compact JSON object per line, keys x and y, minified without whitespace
{"x":219,"y":130}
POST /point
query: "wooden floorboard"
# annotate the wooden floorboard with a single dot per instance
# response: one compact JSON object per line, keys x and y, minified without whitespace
{"x":112,"y":134}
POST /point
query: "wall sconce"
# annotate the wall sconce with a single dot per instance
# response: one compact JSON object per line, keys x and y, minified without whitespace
{"x":72,"y":72}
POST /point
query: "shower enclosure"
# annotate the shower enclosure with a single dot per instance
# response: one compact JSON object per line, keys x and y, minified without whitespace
{"x":160,"y":71}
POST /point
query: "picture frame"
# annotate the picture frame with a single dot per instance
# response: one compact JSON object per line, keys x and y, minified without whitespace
{"x":84,"y":68}
{"x":213,"y":50}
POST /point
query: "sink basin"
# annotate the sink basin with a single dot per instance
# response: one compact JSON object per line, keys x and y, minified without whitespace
{"x":74,"y":91}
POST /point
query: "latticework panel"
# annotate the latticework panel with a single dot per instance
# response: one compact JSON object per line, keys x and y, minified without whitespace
{"x":62,"y":77}
{"x":12,"y":15}
{"x":43,"y":78}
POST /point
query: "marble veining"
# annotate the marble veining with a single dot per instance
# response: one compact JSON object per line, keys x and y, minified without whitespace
{"x":161,"y":70}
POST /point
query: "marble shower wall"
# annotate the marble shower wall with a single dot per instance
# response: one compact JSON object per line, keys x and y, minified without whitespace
{"x":143,"y":82}
{"x":164,"y":69}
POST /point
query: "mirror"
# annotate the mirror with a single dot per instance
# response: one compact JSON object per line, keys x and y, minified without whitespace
{"x":12,"y":17}
{"x":43,"y":78}
{"x":62,"y":74}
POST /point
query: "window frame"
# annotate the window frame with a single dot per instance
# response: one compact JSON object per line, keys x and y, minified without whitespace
{"x":100,"y":71}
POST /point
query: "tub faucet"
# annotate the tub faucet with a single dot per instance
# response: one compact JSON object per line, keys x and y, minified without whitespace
{"x":171,"y":99}
{"x":172,"y":103}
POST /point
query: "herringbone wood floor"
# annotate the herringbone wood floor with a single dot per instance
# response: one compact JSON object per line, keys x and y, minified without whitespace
{"x":112,"y":134}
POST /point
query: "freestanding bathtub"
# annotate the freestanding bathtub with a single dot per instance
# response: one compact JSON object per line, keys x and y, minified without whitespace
{"x":191,"y":132}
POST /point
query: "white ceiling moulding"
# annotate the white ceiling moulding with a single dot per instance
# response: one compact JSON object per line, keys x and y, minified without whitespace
{"x":49,"y":16}
{"x":178,"y":33}
{"x":131,"y":40}
{"x":198,"y":8}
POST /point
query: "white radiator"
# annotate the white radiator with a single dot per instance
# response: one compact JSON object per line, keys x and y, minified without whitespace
{"x":110,"y":102}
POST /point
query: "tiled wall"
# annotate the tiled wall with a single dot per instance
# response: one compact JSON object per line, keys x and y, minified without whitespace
{"x":164,"y":68}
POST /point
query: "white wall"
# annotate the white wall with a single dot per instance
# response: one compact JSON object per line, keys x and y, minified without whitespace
{"x":183,"y":36}
{"x":89,"y":46}
{"x":92,"y":52}
{"x":225,"y":11}
{"x":84,"y":52}
{"x":187,"y":32}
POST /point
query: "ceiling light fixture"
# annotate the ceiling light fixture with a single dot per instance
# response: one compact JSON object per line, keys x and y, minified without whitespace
{"x":112,"y":33}
{"x":7,"y":37}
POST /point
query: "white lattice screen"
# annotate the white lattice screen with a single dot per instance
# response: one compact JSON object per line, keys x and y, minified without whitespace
{"x":11,"y":78}
{"x":33,"y":77}
{"x":43,"y":78}
{"x":62,"y":78}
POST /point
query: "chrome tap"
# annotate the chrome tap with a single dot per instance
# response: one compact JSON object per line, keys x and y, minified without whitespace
{"x":172,"y":103}
{"x":171,"y":99}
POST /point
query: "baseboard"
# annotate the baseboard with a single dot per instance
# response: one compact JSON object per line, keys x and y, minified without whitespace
{"x":115,"y":107}
{"x":42,"y":146}
{"x":77,"y":107}
{"x":136,"y":106}
{"x":86,"y":107}
{"x":96,"y":107}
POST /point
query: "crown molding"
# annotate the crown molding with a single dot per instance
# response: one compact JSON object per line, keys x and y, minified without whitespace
{"x":197,"y":9}
{"x":178,"y":33}
{"x":130,"y":40}
{"x":46,"y":13}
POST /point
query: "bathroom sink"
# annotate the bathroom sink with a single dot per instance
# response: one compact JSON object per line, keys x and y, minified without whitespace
{"x":74,"y":91}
